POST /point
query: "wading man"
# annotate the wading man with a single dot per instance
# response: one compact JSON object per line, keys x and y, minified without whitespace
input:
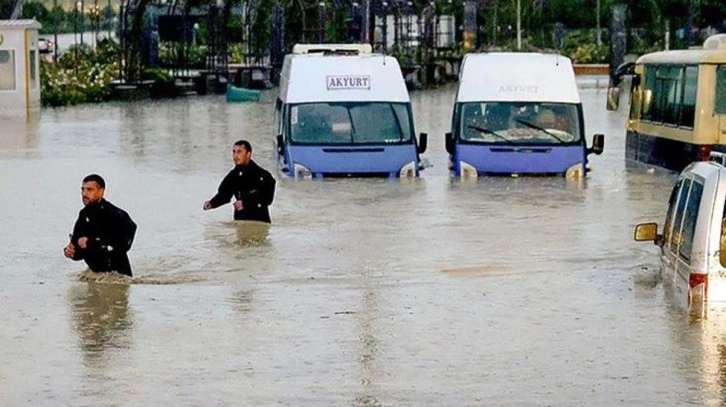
{"x":251,"y":186}
{"x":103,"y":233}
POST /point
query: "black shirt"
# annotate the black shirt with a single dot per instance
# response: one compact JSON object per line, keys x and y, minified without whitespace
{"x":110,"y":232}
{"x":251,"y":184}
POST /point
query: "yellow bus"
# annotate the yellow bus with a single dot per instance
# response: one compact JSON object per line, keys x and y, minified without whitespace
{"x":677,"y":105}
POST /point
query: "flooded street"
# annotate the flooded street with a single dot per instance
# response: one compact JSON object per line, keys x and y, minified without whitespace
{"x":505,"y":291}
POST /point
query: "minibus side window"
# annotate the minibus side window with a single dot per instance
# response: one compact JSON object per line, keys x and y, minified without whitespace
{"x":720,"y":105}
{"x":648,"y":88}
{"x":672,"y":101}
{"x":668,"y":226}
{"x":689,"y":220}
{"x":690,"y":88}
{"x":676,"y":236}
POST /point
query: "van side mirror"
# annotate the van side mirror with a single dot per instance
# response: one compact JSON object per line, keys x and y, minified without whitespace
{"x":648,"y":232}
{"x":613,"y":99}
{"x":280,"y":145}
{"x":598,"y":144}
{"x":423,"y":141}
{"x":449,"y":140}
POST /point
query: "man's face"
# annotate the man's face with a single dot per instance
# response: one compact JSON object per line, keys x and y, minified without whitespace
{"x":240,"y":155}
{"x":91,"y":192}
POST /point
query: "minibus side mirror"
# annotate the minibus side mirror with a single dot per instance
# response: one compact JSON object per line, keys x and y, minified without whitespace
{"x":648,"y":232}
{"x":449,"y":143}
{"x":423,"y":141}
{"x":598,"y":144}
{"x":280,"y":145}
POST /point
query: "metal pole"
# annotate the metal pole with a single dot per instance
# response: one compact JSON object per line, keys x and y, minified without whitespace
{"x":55,"y":35}
{"x":83,"y":24}
{"x":599,"y":31}
{"x":519,"y":24}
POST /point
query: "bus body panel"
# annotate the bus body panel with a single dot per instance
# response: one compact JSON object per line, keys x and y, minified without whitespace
{"x":328,"y":82}
{"x":506,"y":159}
{"x":354,"y":160}
{"x":678,"y":109}
{"x":533,"y":81}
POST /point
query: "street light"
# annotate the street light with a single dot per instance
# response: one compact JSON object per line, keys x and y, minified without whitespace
{"x":194,"y":34}
{"x":79,"y":13}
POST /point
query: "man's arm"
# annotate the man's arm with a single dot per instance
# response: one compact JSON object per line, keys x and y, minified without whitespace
{"x":78,"y":232}
{"x":224,"y":192}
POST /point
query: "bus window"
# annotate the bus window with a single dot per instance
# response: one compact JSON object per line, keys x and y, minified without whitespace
{"x":690,"y":88}
{"x":689,"y":220}
{"x":636,"y":99}
{"x":648,"y":87}
{"x":672,"y":102}
{"x":720,"y":90}
{"x":350,"y":123}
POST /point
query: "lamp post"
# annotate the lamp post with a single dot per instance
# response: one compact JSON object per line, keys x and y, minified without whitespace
{"x":79,"y":14}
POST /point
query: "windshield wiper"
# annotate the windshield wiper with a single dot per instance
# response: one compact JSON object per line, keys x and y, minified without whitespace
{"x":487,"y":131}
{"x":542,"y":129}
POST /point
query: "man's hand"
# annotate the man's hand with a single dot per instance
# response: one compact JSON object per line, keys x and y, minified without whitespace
{"x":238,"y":206}
{"x":82,"y":242}
{"x":207,"y":206}
{"x":69,"y":251}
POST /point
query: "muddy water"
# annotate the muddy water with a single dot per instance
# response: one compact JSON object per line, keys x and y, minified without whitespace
{"x":362,"y":292}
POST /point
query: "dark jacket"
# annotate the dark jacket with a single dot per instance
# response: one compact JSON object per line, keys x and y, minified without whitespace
{"x":253,"y":185}
{"x":110,"y":232}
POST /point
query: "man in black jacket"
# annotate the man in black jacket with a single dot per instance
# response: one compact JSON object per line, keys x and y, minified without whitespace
{"x":103,"y":232}
{"x":251,"y":185}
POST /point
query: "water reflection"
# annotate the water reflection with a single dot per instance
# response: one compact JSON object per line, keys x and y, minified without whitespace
{"x":102,"y":320}
{"x":250,"y":234}
{"x":19,"y":134}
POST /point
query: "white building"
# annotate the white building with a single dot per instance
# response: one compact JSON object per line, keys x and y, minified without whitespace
{"x":19,"y":68}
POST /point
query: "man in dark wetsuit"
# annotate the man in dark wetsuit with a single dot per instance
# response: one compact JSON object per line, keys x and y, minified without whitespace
{"x":252,"y":187}
{"x":103,"y":232}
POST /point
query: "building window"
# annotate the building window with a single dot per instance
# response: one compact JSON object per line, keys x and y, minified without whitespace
{"x":7,"y":70}
{"x":33,"y":64}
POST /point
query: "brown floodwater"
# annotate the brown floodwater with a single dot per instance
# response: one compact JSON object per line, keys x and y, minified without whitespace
{"x":505,"y":291}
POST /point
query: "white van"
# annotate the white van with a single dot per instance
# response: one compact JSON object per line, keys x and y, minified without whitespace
{"x":344,"y":111}
{"x":693,"y":243}
{"x":518,"y":113}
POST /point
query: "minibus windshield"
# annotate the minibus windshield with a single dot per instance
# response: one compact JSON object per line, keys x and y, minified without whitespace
{"x":519,"y":123}
{"x":350,"y":123}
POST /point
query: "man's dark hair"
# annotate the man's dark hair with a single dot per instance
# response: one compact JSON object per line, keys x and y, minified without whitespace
{"x":244,"y":143}
{"x":97,"y":179}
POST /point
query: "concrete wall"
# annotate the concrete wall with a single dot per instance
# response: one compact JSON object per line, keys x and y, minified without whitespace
{"x":19,"y":68}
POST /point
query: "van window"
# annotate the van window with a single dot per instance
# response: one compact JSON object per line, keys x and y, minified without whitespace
{"x":350,"y":123}
{"x":668,"y":226}
{"x":675,"y":234}
{"x":722,"y":245}
{"x":689,"y":220}
{"x":519,"y":123}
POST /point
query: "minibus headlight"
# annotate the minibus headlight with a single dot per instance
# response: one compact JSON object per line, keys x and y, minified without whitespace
{"x":301,"y":171}
{"x":467,"y":170}
{"x":575,"y":171}
{"x":408,"y":170}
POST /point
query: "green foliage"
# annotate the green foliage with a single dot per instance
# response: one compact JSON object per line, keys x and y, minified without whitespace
{"x":236,"y":53}
{"x":81,"y":75}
